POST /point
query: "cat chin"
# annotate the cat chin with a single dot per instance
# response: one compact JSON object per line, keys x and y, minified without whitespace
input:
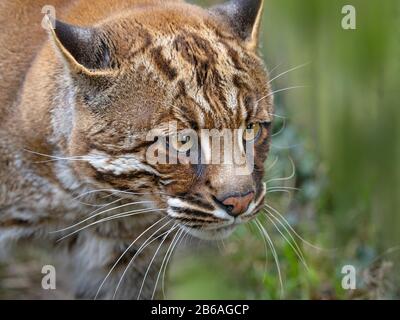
{"x":213,"y":234}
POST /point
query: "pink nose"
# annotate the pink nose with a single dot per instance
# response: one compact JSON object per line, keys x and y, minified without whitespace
{"x":238,"y":204}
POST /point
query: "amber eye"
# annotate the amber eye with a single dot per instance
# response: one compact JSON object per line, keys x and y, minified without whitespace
{"x":252,"y":132}
{"x":181,"y":142}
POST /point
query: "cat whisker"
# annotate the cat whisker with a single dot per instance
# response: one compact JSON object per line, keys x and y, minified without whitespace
{"x":170,"y":249}
{"x":286,"y":178}
{"x":116,"y":216}
{"x":273,"y":163}
{"x":275,"y":255}
{"x":281,"y":90}
{"x":100,"y":206}
{"x":94,"y":214}
{"x":64,"y":159}
{"x":295,"y":247}
{"x":223,"y":244}
{"x":55,"y":158}
{"x":283,"y":188}
{"x":288,"y":71}
{"x":281,"y":129}
{"x":274,"y":68}
{"x":185,"y":236}
{"x":152,"y":259}
{"x":141,"y":248}
{"x":277,"y":115}
{"x":286,"y":147}
{"x":294,"y":231}
{"x":265,"y":248}
{"x":115,"y":191}
{"x":127,"y":249}
{"x":282,"y":191}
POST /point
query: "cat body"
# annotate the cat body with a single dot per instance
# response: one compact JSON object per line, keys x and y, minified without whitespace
{"x":75,"y":106}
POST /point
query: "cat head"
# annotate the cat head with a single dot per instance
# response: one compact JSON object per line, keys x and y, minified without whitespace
{"x":149,"y":84}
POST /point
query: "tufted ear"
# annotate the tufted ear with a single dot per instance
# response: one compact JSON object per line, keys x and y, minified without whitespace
{"x":83,"y":49}
{"x":244,"y":17}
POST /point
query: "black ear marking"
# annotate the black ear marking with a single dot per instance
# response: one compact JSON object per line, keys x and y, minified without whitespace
{"x":244,"y":17}
{"x":85,"y":45}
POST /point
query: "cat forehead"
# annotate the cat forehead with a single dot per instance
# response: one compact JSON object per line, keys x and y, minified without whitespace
{"x":185,"y":65}
{"x":216,"y":98}
{"x":192,"y":31}
{"x":189,"y":74}
{"x":183,"y":47}
{"x":162,"y":18}
{"x":196,"y":81}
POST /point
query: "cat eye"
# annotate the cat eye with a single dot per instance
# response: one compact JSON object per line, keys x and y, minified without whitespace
{"x":252,"y":132}
{"x":181,"y":143}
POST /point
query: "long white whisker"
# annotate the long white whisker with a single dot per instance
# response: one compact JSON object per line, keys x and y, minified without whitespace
{"x":281,"y":90}
{"x":290,"y":70}
{"x":295,"y":248}
{"x":152,"y":259}
{"x":285,"y":228}
{"x":273,"y":163}
{"x":185,"y":236}
{"x":281,"y":129}
{"x":127,"y":249}
{"x":63,"y":159}
{"x":141,"y":248}
{"x":100,"y":206}
{"x":275,"y":255}
{"x":92,"y":216}
{"x":286,"y":178}
{"x":115,"y":191}
{"x":55,"y":158}
{"x":282,"y":191}
{"x":274,"y":68}
{"x":294,"y":231}
{"x":283,"y":188}
{"x":277,"y":115}
{"x":286,"y":147}
{"x":170,"y":249}
{"x":265,"y":247}
{"x":96,"y":191}
{"x":116,"y":216}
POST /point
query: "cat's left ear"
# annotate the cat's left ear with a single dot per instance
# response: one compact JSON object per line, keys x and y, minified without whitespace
{"x":84,"y":50}
{"x":244,"y":17}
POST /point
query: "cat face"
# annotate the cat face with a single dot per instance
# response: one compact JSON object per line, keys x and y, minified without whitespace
{"x":166,"y":100}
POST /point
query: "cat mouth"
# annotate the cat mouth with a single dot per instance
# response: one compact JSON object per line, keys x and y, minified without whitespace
{"x":227,"y":224}
{"x":221,"y":231}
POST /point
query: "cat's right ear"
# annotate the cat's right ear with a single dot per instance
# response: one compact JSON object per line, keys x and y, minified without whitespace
{"x":244,"y":17}
{"x":83,"y":49}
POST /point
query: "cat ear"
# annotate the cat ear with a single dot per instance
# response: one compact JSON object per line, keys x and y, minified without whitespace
{"x":244,"y":17}
{"x":83,"y":49}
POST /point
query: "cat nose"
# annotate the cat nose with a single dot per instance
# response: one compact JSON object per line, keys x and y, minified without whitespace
{"x":238,"y":204}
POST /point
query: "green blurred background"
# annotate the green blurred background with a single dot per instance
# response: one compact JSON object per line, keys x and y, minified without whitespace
{"x":342,"y":132}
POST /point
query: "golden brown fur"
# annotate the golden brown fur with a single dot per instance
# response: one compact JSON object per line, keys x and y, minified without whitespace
{"x":77,"y":103}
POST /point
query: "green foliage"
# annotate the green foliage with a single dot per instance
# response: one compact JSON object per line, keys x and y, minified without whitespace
{"x":342,"y":132}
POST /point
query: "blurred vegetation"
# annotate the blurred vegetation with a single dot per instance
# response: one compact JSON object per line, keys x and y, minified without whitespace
{"x":342,"y":132}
